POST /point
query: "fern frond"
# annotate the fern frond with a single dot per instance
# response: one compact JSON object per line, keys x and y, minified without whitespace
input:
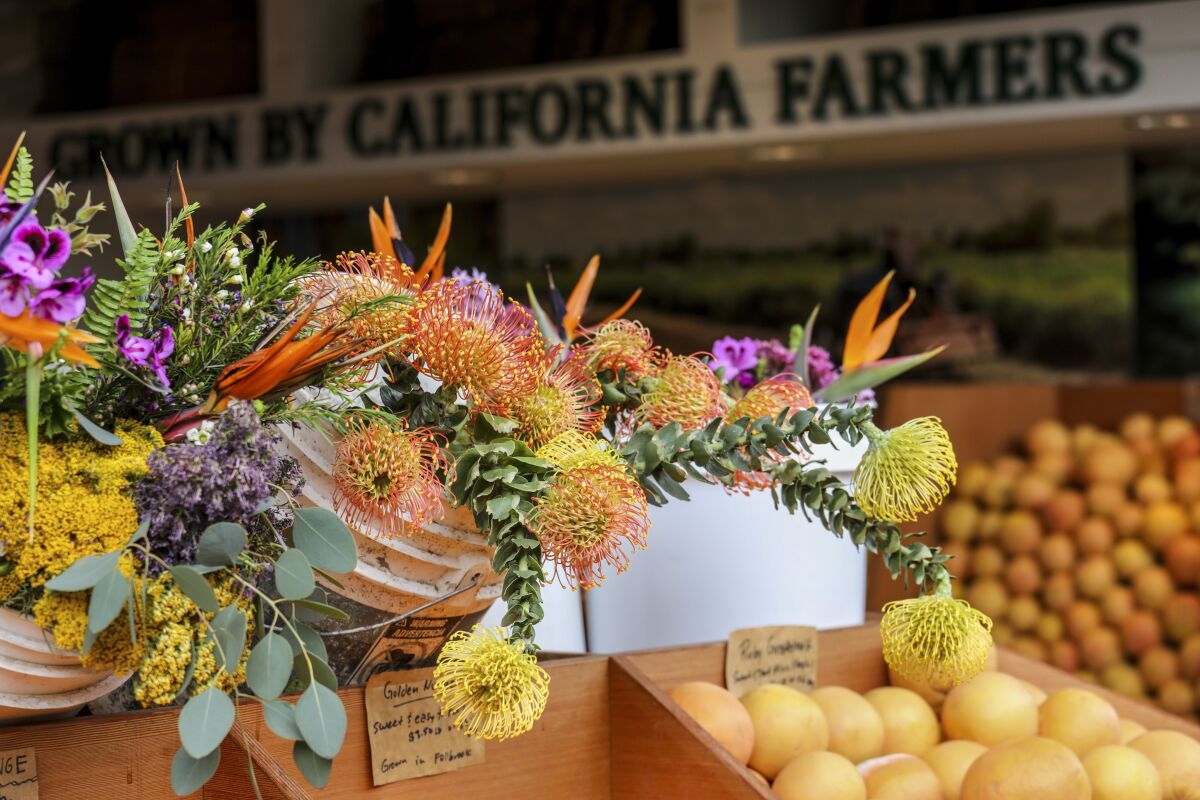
{"x":129,"y":295}
{"x":20,"y":184}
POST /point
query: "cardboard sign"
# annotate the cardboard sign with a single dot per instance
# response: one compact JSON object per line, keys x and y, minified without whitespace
{"x":18,"y":774}
{"x":409,"y":735}
{"x":784,"y":654}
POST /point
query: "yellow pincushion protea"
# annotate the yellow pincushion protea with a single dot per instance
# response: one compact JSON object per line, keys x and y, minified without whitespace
{"x":573,"y":449}
{"x":566,"y":399}
{"x":935,"y":639}
{"x":490,"y":686}
{"x":907,"y":471}
{"x":686,"y":391}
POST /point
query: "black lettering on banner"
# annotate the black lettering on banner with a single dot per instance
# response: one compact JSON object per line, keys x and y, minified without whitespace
{"x":685,"y":121}
{"x":549,"y":121}
{"x":835,"y":86}
{"x":443,"y":138}
{"x":1066,"y":55}
{"x":725,"y":98}
{"x":1012,"y":82}
{"x":648,"y":105}
{"x":595,"y":101}
{"x":406,"y":127}
{"x":356,"y":127}
{"x":1117,"y":48}
{"x":510,"y":109}
{"x":888,"y":70}
{"x":948,"y":83}
{"x":792,"y":81}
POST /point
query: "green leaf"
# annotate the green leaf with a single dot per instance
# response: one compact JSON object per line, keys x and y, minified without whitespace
{"x":323,"y":609}
{"x":193,"y":585}
{"x":322,"y":719}
{"x":309,"y":639}
{"x":270,"y":666}
{"x":325,"y":539}
{"x":871,"y":375}
{"x":320,"y":671}
{"x":281,"y":719}
{"x":96,"y":432}
{"x":229,"y":625}
{"x":221,"y":544}
{"x":84,"y":573}
{"x":293,"y":576}
{"x":204,"y":721}
{"x":313,"y":767}
{"x":189,"y":774}
{"x":545,"y":324}
{"x":124,"y":225}
{"x":108,"y":598}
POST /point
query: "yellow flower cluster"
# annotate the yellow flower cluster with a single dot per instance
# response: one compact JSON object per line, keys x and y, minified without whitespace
{"x":83,"y":503}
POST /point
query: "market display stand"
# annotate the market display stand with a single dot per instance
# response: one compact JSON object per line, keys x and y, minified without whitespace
{"x":610,"y":731}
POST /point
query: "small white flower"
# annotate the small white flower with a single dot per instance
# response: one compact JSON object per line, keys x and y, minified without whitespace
{"x":235,"y":278}
{"x":206,"y":246}
{"x":221,"y":294}
{"x":246,"y":215}
{"x":202,"y":434}
{"x":186,"y":314}
{"x":172,"y":255}
{"x":179,"y":269}
{"x":246,"y":306}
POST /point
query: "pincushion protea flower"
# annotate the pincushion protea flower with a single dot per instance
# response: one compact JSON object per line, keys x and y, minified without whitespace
{"x":686,"y":391}
{"x":490,"y":686}
{"x":589,"y":515}
{"x":367,"y":294}
{"x":386,"y":476}
{"x":906,"y":471}
{"x":566,"y":399}
{"x":770,"y":397}
{"x":469,"y":337}
{"x":622,"y":344}
{"x":935,"y":639}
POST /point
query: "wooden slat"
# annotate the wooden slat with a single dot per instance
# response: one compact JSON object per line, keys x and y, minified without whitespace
{"x":659,"y":751}
{"x":565,"y":755}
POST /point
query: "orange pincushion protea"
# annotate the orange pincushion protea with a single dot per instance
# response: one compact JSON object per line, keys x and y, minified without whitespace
{"x":687,"y":392}
{"x":367,"y":294}
{"x":770,"y":397}
{"x":386,"y":476}
{"x":622,"y":344}
{"x":567,"y":399}
{"x":469,"y":337}
{"x":586,"y":521}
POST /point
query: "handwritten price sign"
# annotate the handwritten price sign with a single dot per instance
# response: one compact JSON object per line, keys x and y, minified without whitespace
{"x":409,"y":736}
{"x":18,"y":775}
{"x":784,"y":654}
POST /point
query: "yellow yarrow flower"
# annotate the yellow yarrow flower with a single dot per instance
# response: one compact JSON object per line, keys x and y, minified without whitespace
{"x":907,"y":471}
{"x":571,"y":449}
{"x":935,"y":639}
{"x":491,"y":686}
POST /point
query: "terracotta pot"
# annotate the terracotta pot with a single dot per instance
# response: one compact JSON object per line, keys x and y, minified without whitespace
{"x":394,"y":575}
{"x":38,"y":680}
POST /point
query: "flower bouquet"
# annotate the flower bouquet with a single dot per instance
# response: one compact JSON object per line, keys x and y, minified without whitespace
{"x":157,"y":522}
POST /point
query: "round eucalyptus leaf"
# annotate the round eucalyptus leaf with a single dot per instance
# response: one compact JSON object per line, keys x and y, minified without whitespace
{"x":325,"y":539}
{"x":229,"y":626}
{"x":293,"y":576}
{"x":321,"y":719}
{"x":204,"y":721}
{"x":320,"y":670}
{"x":269,"y":666}
{"x":107,"y":600}
{"x":221,"y":544}
{"x":188,"y":774}
{"x":84,"y":573}
{"x":313,"y":767}
{"x":309,"y":640}
{"x":281,"y":719}
{"x":192,"y":584}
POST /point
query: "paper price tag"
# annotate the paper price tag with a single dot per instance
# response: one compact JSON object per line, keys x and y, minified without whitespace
{"x":18,"y":774}
{"x":409,"y":736}
{"x":784,"y":654}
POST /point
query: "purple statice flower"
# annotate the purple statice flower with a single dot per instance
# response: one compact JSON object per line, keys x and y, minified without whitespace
{"x":224,"y":476}
{"x":152,"y":352}
{"x":460,"y":275}
{"x":737,"y":357}
{"x":36,"y":254}
{"x":63,"y":301}
{"x":821,"y":369}
{"x":774,"y":358}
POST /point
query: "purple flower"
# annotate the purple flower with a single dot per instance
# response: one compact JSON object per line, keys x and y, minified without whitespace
{"x":152,"y":352}
{"x":14,"y":292}
{"x":774,"y":358}
{"x":8,"y":210}
{"x":735,"y":356}
{"x":821,"y":369}
{"x":63,"y":302}
{"x":223,"y":476}
{"x":460,"y":275}
{"x":36,"y":254}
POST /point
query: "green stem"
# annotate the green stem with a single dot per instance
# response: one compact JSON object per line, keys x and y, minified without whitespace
{"x":33,"y":402}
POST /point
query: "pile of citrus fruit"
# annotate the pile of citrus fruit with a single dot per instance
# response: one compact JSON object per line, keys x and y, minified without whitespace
{"x":1084,"y":550}
{"x":995,"y":737}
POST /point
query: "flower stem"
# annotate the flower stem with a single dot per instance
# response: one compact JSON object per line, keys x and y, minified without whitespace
{"x":33,"y":403}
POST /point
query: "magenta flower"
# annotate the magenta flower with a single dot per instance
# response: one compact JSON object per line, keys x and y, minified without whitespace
{"x":735,"y":356}
{"x":63,"y":302}
{"x":821,"y":369}
{"x":774,"y":358}
{"x":14,"y":292}
{"x":8,"y":210}
{"x":152,"y":352}
{"x":36,"y":254}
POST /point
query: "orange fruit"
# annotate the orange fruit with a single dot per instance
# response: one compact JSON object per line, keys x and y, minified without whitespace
{"x":1176,"y":756}
{"x":1058,"y":591}
{"x":786,"y":724}
{"x":1080,"y":719}
{"x":1065,"y":510}
{"x":960,"y":520}
{"x":989,"y":596}
{"x":1095,"y":535}
{"x":1048,"y":436}
{"x":990,"y":708}
{"x":1153,"y":587}
{"x":1117,"y":604}
{"x":855,"y":727}
{"x":1140,"y":631}
{"x":1130,"y":556}
{"x":1105,"y":498}
{"x":1177,"y":697}
{"x":1182,"y":557}
{"x":1024,"y":613}
{"x":900,"y":777}
{"x":1094,"y":576}
{"x":1181,"y":616}
{"x":1020,"y":532}
{"x":909,"y":724}
{"x":1081,"y":617}
{"x":819,"y":776}
{"x":950,"y":762}
{"x":1158,"y":665}
{"x":1100,"y":647}
{"x":1057,"y":552}
{"x":1023,"y":575}
{"x":717,"y":711}
{"x":987,"y":561}
{"x":1034,"y":768}
{"x":1162,"y":523}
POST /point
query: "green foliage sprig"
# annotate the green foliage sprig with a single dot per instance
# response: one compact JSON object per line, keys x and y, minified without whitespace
{"x":664,"y":458}
{"x":20,"y":182}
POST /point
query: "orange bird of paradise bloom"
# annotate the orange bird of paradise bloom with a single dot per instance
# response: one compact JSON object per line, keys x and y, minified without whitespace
{"x":24,"y":332}
{"x":385,"y":233}
{"x":867,"y":342}
{"x":577,"y":300}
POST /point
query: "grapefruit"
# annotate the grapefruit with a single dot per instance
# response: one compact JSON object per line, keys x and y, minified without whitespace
{"x":786,"y":723}
{"x":990,"y":708}
{"x":960,"y":520}
{"x":855,"y":727}
{"x":950,"y":762}
{"x":1176,"y":756}
{"x":1080,"y":719}
{"x":1130,"y":730}
{"x":1065,"y":510}
{"x":820,"y":776}
{"x":900,"y":777}
{"x":1057,"y":552}
{"x":717,"y":711}
{"x":1034,"y":768}
{"x":909,"y":724}
{"x":1122,"y":773}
